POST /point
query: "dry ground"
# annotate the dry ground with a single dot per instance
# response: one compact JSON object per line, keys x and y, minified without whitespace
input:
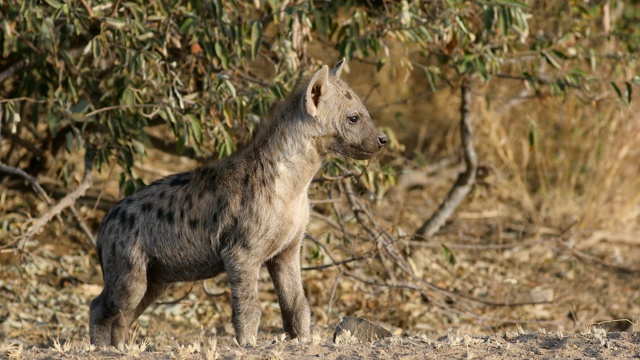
{"x":597,"y":344}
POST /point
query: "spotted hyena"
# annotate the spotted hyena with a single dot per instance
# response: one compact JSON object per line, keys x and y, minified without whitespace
{"x":232,"y":215}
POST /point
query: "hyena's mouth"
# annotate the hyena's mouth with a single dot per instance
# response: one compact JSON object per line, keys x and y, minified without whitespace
{"x":360,"y":153}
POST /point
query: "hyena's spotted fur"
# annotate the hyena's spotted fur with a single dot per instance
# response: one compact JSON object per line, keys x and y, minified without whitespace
{"x":232,"y":215}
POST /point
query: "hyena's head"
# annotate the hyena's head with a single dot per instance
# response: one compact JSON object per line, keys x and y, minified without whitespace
{"x":344,"y":122}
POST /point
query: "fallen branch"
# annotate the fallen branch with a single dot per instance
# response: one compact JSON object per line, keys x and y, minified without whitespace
{"x":467,"y":179}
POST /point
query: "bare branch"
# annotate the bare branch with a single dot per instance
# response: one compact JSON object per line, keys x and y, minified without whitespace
{"x":83,"y":225}
{"x":65,"y":202}
{"x":15,"y":171}
{"x":9,"y":72}
{"x":467,"y":179}
{"x":334,"y":263}
{"x":175,"y":301}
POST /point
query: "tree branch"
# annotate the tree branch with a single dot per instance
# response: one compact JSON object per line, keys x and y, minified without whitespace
{"x":467,"y":179}
{"x":65,"y":202}
{"x":15,"y":171}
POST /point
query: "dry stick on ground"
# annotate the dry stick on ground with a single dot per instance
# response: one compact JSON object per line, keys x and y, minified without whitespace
{"x":65,"y":202}
{"x":466,"y":180}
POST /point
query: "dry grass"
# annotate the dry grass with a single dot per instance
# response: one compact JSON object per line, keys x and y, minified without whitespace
{"x":11,"y":350}
{"x":566,"y":162}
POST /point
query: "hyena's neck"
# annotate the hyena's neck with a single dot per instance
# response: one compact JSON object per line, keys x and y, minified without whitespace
{"x":286,"y":149}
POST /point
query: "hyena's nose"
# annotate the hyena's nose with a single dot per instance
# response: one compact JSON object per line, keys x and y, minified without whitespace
{"x":382,"y":140}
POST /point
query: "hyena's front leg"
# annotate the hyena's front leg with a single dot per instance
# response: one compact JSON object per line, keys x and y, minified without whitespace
{"x":284,"y":269}
{"x":243,"y":281}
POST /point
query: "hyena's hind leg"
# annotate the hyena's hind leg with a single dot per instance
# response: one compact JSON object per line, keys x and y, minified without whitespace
{"x":124,"y":321}
{"x":102,"y":315}
{"x":125,"y":286}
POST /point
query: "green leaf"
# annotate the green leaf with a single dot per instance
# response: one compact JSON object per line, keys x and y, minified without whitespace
{"x":551,"y":59}
{"x":129,"y":187}
{"x":138,"y":147}
{"x":80,"y":107}
{"x":381,"y":63}
{"x":69,"y":141}
{"x":221,"y":53}
{"x":54,"y":3}
{"x":629,"y":91}
{"x":186,"y":25}
{"x":489,"y":17}
{"x":617,"y":90}
{"x":533,"y":134}
{"x":116,"y":23}
{"x":196,"y":126}
{"x":127,"y":158}
{"x":181,"y":142}
{"x":52,"y":123}
{"x":511,"y":3}
{"x":448,"y":255}
{"x":256,"y":38}
{"x":231,"y":88}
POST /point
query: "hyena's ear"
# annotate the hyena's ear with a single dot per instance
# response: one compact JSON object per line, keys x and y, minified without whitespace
{"x":337,"y":69}
{"x":317,"y":88}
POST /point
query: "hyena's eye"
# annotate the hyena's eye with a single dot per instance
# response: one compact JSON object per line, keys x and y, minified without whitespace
{"x":353,"y":119}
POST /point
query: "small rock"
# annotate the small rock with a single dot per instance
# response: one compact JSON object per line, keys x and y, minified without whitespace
{"x":360,"y":329}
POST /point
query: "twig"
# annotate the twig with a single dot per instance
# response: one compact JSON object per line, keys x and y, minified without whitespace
{"x":466,"y":180}
{"x":120,"y":107}
{"x":333,"y":293}
{"x":338,"y":263}
{"x":12,"y":70}
{"x":64,"y":203}
{"x":587,"y":258}
{"x":334,"y":263}
{"x":83,"y":225}
{"x":114,"y":8}
{"x":88,"y":8}
{"x":25,"y":98}
{"x":482,"y":247}
{"x":321,"y":245}
{"x":15,"y":171}
{"x":175,"y":301}
{"x":358,"y":210}
{"x":209,"y":292}
{"x":348,"y":174}
{"x":330,"y":222}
